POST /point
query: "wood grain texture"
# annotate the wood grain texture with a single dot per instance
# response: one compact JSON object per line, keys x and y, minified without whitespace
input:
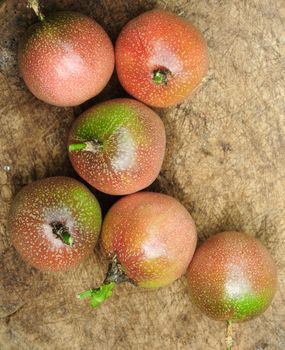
{"x":225,"y":162}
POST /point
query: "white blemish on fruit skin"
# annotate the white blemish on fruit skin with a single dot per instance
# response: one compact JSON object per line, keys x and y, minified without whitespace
{"x":70,"y":63}
{"x":54,"y":241}
{"x":62,"y":215}
{"x":163,"y":56}
{"x":236,"y":283}
{"x":154,"y":248}
{"x":125,"y":156}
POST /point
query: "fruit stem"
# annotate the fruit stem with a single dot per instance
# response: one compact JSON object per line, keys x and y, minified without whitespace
{"x":61,"y":231}
{"x":90,"y":146}
{"x":160,"y":76}
{"x":76,"y":147}
{"x":229,"y":335}
{"x":116,"y":272}
{"x":98,"y":295}
{"x":34,"y":4}
{"x":115,"y":275}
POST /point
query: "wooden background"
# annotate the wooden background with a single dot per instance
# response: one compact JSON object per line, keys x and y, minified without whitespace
{"x":225,"y":162}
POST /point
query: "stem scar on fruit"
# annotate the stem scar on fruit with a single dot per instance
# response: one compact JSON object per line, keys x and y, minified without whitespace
{"x":161,"y":76}
{"x":62,"y":232}
{"x":115,"y":275}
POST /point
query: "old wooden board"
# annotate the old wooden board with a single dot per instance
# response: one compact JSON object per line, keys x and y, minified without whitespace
{"x":225,"y":162}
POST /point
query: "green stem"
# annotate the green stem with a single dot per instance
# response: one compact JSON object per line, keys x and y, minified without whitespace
{"x":229,"y":336}
{"x":76,"y":146}
{"x":67,"y":239}
{"x":161,"y":76}
{"x":88,"y":146}
{"x":61,"y":231}
{"x":34,"y":4}
{"x":114,"y":276}
{"x":98,"y":295}
{"x":85,"y":294}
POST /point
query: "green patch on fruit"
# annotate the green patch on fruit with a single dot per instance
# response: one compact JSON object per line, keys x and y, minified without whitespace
{"x":152,"y":284}
{"x":40,"y":31}
{"x":85,"y":206}
{"x":249,"y":306}
{"x":50,"y":29}
{"x":157,"y":272}
{"x":101,"y":123}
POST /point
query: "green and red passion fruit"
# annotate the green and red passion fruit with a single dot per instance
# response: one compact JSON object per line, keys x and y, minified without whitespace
{"x":160,"y":58}
{"x":232,"y":277}
{"x":150,"y":238}
{"x":54,"y":223}
{"x":66,"y":58}
{"x":117,"y":146}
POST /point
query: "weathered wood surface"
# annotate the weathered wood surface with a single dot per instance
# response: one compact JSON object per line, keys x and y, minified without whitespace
{"x":225,"y":161}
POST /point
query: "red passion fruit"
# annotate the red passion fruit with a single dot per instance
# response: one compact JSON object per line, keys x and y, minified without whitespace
{"x":232,"y":277}
{"x":160,"y":58}
{"x":54,"y":223}
{"x":150,"y":238}
{"x":66,"y":58}
{"x":117,"y":146}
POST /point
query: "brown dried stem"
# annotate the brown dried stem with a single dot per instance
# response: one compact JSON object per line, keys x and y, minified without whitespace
{"x":34,"y":4}
{"x":229,"y":336}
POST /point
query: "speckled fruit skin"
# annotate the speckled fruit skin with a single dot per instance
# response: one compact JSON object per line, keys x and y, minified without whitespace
{"x":160,"y":39}
{"x":132,"y":146}
{"x":54,"y":199}
{"x":232,"y":277}
{"x":153,"y":236}
{"x":66,"y":59}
